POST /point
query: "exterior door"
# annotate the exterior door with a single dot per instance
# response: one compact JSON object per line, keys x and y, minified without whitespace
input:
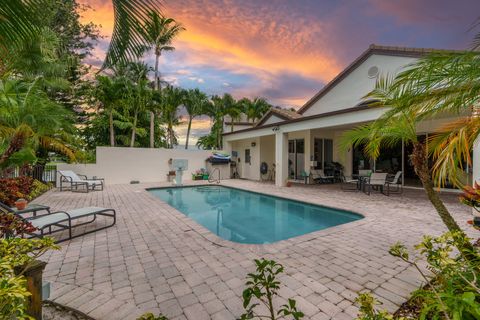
{"x":296,"y":158}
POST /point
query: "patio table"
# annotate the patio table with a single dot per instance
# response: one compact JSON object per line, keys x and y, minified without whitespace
{"x":33,"y":208}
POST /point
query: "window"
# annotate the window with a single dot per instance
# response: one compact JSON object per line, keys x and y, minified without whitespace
{"x":247,"y":156}
{"x":323,"y":152}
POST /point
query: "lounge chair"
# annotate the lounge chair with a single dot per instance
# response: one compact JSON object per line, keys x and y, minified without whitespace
{"x":75,"y":181}
{"x":395,"y":185}
{"x":59,"y":221}
{"x":375,"y":181}
{"x":319,"y":176}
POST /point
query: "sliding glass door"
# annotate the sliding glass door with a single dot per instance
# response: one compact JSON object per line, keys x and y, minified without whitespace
{"x":296,"y":158}
{"x":323,"y":153}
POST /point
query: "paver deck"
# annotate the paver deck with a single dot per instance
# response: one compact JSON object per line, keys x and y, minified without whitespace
{"x":156,"y":259}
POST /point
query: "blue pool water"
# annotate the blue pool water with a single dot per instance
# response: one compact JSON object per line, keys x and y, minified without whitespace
{"x":248,"y":217}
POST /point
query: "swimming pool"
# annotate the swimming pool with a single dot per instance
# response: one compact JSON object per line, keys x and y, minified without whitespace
{"x":249,"y":217}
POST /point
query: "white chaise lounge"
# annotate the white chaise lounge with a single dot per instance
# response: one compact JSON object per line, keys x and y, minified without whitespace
{"x":69,"y":180}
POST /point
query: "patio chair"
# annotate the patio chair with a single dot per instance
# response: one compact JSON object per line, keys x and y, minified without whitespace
{"x":395,"y":185}
{"x":319,"y":176}
{"x":75,"y":181}
{"x":350,"y":184}
{"x":59,"y":221}
{"x":375,"y":181}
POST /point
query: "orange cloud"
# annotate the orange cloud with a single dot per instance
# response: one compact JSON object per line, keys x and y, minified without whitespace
{"x":242,"y":40}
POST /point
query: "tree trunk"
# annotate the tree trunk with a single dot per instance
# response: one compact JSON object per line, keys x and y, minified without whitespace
{"x":170,"y":136}
{"x":190,"y":118}
{"x":152,"y":129}
{"x":112,"y":132}
{"x":157,"y":87}
{"x":132,"y":140}
{"x":157,"y":77}
{"x":420,"y":163}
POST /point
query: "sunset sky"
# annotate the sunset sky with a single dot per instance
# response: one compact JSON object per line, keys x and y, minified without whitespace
{"x":285,"y":50}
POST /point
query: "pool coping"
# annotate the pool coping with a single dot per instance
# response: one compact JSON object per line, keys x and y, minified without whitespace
{"x":269,"y":247}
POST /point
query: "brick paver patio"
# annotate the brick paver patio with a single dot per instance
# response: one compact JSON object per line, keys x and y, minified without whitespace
{"x":156,"y":259}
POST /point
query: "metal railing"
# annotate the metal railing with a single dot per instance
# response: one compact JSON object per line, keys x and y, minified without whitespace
{"x":211,"y":178}
{"x":40,"y":172}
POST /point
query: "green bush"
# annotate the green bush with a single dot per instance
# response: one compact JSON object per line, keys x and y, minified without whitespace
{"x":453,"y":280}
{"x":16,"y":254}
{"x":263,"y":286}
{"x":37,"y":189}
{"x":12,"y":189}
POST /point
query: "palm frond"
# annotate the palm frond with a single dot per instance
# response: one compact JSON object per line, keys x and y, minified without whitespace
{"x":18,"y":23}
{"x":53,"y":144}
{"x":451,"y":149}
{"x":127,"y":41}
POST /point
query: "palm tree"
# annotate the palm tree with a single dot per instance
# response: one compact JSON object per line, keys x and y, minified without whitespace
{"x":444,"y":83}
{"x":172,"y":98}
{"x":195,"y":103}
{"x":217,"y":113}
{"x":389,"y":131}
{"x":109,"y":92}
{"x":20,"y":21}
{"x":231,"y":108}
{"x":137,"y":91}
{"x":254,"y":109}
{"x":159,"y":32}
{"x":29,"y":119}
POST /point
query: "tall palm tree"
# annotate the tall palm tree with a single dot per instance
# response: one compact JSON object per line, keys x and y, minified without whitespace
{"x":195,"y":103}
{"x":172,"y":98}
{"x":231,"y":108}
{"x":254,"y":109}
{"x":217,"y":113}
{"x":159,"y":32}
{"x":109,"y":92}
{"x":137,"y":91}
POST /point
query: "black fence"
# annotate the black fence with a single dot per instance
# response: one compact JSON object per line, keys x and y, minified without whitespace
{"x":44,"y":173}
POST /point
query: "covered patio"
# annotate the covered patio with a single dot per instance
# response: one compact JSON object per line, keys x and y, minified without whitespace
{"x":293,"y":148}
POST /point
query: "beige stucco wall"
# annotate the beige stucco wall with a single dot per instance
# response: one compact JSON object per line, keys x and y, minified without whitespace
{"x":122,"y":165}
{"x":267,"y":151}
{"x":250,"y":170}
{"x":350,"y":91}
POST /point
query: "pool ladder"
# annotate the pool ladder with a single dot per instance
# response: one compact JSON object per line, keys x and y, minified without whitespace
{"x":211,"y":178}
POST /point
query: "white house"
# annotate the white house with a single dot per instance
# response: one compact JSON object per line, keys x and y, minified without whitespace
{"x":296,"y":142}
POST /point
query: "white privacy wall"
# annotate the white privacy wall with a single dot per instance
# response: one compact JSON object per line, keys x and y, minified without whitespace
{"x":122,"y":165}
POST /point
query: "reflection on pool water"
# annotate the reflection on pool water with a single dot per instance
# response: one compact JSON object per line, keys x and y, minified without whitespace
{"x":248,"y":217}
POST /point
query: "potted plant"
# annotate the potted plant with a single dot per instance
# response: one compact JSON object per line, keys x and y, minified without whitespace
{"x":21,"y":204}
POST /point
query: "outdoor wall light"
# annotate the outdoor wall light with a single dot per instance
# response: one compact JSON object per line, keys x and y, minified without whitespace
{"x":275,"y":129}
{"x":253,"y":144}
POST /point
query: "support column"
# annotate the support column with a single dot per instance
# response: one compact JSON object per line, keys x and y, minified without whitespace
{"x":308,"y":150}
{"x":281,"y":159}
{"x":476,"y":162}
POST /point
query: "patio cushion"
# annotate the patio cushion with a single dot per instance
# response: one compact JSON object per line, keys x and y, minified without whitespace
{"x":61,"y":216}
{"x":48,"y":219}
{"x":90,"y":182}
{"x":80,"y":212}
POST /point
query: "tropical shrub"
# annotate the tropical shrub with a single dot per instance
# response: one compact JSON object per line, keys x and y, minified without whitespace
{"x":452,"y":289}
{"x":263,"y":286}
{"x":16,"y":254}
{"x":151,"y":316}
{"x":12,"y":189}
{"x":368,"y":309}
{"x":471,"y":196}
